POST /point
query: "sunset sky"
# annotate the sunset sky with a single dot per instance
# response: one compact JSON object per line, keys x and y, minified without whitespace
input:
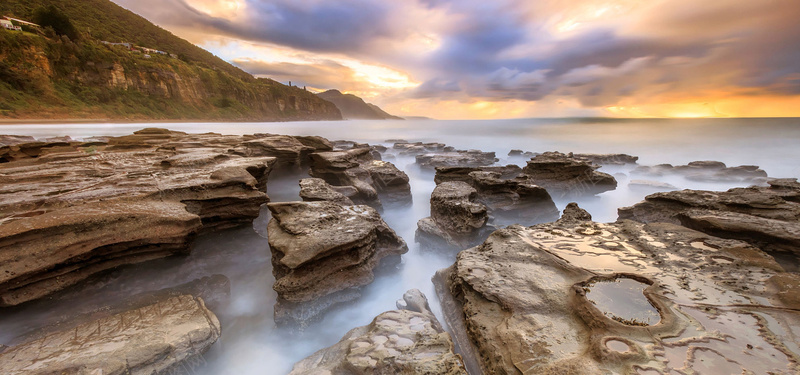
{"x":512,"y":58}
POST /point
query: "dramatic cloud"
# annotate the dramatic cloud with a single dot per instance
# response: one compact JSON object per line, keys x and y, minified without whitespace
{"x":509,"y":58}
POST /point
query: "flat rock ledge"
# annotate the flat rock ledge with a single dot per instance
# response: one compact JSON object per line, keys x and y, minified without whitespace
{"x":322,"y":252}
{"x":768,"y":217}
{"x":72,"y":209}
{"x":376,"y":182}
{"x":579,"y":297}
{"x":161,"y":338}
{"x":406,"y":341}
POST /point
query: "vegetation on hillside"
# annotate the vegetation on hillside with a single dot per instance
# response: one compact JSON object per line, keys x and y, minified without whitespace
{"x":52,"y":73}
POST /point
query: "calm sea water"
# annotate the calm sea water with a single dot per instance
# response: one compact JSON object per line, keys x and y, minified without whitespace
{"x":251,"y":344}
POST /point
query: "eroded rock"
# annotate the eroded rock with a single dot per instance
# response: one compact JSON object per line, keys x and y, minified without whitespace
{"x":322,"y":253}
{"x":529,"y":301}
{"x":510,"y":196}
{"x":457,"y":219}
{"x":70,"y":210}
{"x":316,"y":189}
{"x":154,"y":339}
{"x":607,"y":159}
{"x":768,"y":217}
{"x":458,"y":158}
{"x":374,"y":180}
{"x":409,"y":340}
{"x":566,"y":175}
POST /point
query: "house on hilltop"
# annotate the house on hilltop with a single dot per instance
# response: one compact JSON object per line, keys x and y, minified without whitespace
{"x":8,"y":25}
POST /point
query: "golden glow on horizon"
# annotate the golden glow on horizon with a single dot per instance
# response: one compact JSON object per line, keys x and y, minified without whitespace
{"x":219,"y":8}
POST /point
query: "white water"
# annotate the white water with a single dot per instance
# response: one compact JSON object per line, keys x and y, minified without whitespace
{"x":250,"y":344}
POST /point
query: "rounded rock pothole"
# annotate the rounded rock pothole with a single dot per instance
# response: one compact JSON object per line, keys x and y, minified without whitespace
{"x":622,"y":299}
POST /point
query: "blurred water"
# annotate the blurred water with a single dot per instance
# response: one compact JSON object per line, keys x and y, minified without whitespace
{"x":251,"y":344}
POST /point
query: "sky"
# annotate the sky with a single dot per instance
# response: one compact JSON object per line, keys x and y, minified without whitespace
{"x":456,"y":59}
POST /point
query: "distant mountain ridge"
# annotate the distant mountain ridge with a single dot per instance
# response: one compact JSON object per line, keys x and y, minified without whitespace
{"x":143,"y":72}
{"x":353,"y":107}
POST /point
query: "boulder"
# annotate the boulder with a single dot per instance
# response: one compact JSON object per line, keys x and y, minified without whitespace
{"x":373,"y":179}
{"x":316,"y":189}
{"x":70,"y":210}
{"x":579,"y":297}
{"x":159,"y":338}
{"x":564,"y":175}
{"x":406,"y":341}
{"x":322,"y":253}
{"x":768,"y":217}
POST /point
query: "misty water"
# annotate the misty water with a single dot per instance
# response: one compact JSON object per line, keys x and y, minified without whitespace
{"x":250,"y":342}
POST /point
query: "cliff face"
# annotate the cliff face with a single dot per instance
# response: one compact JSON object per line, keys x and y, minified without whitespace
{"x":353,"y":107}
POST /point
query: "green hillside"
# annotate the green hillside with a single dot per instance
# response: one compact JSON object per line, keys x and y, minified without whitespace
{"x":44,"y":75}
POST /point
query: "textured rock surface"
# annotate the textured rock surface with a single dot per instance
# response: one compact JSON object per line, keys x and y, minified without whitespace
{"x":519,"y":303}
{"x":707,"y":171}
{"x":405,"y":341}
{"x":458,"y":158}
{"x":374,"y":180}
{"x":154,"y":339}
{"x":509,"y":195}
{"x":456,"y":218}
{"x":72,"y":209}
{"x":322,"y":252}
{"x":316,"y":189}
{"x":565,"y":175}
{"x":768,"y":217}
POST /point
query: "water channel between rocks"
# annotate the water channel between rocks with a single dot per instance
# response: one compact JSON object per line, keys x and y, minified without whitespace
{"x":250,"y":342}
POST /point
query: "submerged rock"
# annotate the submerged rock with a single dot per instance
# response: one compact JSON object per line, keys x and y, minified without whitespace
{"x":768,"y":217}
{"x":406,"y":341}
{"x":566,"y":175}
{"x":374,"y":180}
{"x":69,"y":210}
{"x":579,"y":297}
{"x":322,"y":253}
{"x":159,"y":338}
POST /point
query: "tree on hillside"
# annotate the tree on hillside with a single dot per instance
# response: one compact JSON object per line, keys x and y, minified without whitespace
{"x":55,"y":18}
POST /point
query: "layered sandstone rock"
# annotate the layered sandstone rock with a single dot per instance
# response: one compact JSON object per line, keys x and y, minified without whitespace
{"x":70,"y":210}
{"x":578,"y":297}
{"x":406,"y":341}
{"x":457,"y":219}
{"x":510,"y":195}
{"x":606,"y":159}
{"x":768,"y":217}
{"x":322,"y":253}
{"x":159,"y":338}
{"x":375,"y":181}
{"x":316,"y":189}
{"x":566,"y":175}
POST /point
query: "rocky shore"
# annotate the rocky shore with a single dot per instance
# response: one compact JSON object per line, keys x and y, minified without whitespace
{"x":685,"y":281}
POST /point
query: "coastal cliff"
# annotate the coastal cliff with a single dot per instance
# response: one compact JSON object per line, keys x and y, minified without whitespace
{"x":131,"y":73}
